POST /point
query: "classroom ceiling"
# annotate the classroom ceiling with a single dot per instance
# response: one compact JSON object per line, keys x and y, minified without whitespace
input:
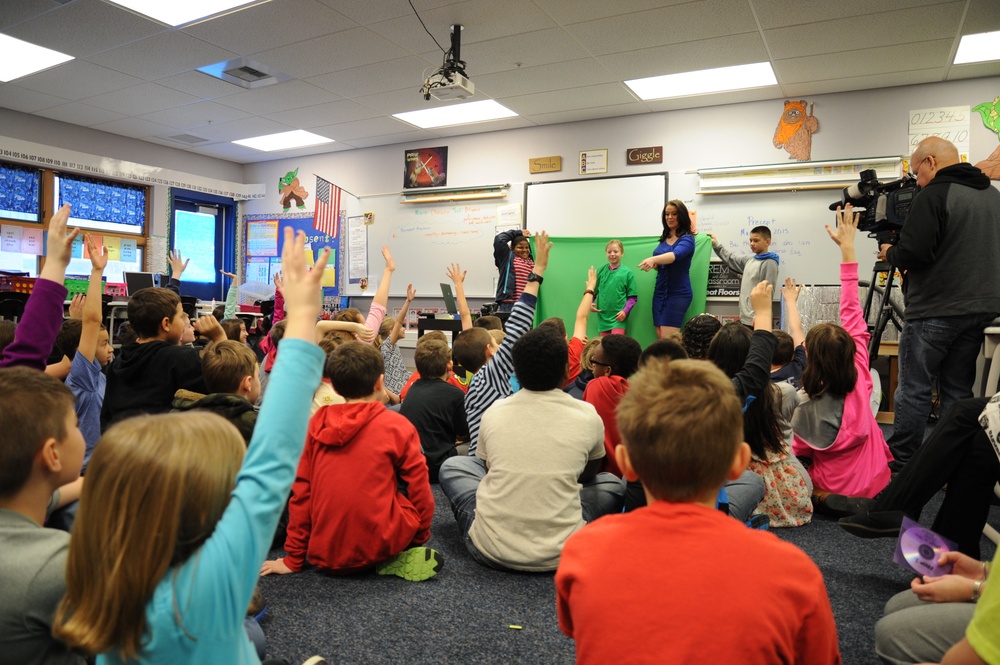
{"x":353,"y":63}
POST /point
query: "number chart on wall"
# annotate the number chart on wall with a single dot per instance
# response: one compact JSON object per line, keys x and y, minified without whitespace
{"x":265,"y":240}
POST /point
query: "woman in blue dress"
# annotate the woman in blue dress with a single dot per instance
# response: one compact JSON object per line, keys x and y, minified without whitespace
{"x":672,"y":261}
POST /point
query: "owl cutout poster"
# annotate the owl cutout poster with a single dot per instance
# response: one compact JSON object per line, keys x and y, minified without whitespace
{"x":795,"y":130}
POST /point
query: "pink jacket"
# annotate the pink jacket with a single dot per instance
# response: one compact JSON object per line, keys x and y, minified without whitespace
{"x":856,"y":464}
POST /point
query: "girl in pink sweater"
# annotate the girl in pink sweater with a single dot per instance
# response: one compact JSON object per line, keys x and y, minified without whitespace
{"x":834,"y":425}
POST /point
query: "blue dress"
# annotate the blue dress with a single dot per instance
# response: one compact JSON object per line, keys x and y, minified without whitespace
{"x":672,"y":293}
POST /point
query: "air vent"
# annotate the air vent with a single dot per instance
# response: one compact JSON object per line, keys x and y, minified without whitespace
{"x":245,"y":73}
{"x":190,"y":139}
{"x":248,"y":74}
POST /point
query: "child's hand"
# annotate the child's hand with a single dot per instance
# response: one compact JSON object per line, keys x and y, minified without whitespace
{"x":363,"y":333}
{"x":790,"y":291}
{"x":944,"y":589}
{"x":98,"y":255}
{"x":276,"y":567}
{"x":620,"y":316}
{"x":59,"y":246}
{"x":542,"y":248}
{"x":963,"y":565}
{"x":411,"y":293}
{"x":647,"y":264}
{"x":526,"y":233}
{"x":278,"y":282}
{"x":208,"y":326}
{"x":847,"y":226}
{"x":593,"y":308}
{"x":232,"y":276}
{"x":177,"y":264}
{"x":300,"y":285}
{"x":715,"y":241}
{"x":390,"y":265}
{"x":455,"y":273}
{"x":760,"y":298}
{"x":591,"y":279}
{"x":76,"y":306}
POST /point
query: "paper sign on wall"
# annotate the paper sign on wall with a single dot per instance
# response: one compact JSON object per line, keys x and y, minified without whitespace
{"x":32,"y":242}
{"x":114,"y":248}
{"x":129,"y":250}
{"x":10,"y":238}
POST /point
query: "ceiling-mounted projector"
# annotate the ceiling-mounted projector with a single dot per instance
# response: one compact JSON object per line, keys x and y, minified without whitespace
{"x":450,"y":80}
{"x":459,"y":88}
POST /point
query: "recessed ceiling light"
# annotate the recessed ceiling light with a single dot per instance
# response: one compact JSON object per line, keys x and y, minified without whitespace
{"x":19,"y":58}
{"x":284,"y":141}
{"x":180,"y":12}
{"x":456,"y":114}
{"x":704,"y":81}
{"x":978,"y":48}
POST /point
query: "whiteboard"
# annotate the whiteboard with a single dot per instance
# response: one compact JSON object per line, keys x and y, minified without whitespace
{"x":615,"y":206}
{"x":798,"y":234}
{"x":425,"y":238}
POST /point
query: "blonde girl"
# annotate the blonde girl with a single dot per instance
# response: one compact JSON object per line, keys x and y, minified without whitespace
{"x":174,"y":522}
{"x":616,"y":293}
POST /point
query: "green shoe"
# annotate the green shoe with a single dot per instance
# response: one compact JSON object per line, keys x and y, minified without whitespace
{"x":415,"y":564}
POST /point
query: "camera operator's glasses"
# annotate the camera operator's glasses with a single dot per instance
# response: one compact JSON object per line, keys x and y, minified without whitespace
{"x":915,"y":169}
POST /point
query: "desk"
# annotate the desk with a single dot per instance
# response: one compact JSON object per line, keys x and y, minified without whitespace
{"x":427,"y":323}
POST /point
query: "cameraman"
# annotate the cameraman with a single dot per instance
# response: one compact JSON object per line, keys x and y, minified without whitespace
{"x":949,"y":249}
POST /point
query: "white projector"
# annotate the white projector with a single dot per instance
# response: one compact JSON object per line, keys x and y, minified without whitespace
{"x":461,"y":88}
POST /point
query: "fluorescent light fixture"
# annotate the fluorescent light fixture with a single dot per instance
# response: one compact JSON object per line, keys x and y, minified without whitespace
{"x":180,"y":12}
{"x":298,"y":138}
{"x":19,"y":58}
{"x":456,"y":114}
{"x":704,"y":81}
{"x":978,"y":48}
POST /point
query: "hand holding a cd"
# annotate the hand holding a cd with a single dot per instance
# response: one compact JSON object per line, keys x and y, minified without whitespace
{"x":963,"y":565}
{"x":943,"y":589}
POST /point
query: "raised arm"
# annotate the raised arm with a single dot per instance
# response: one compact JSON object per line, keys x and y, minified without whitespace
{"x":542,"y":247}
{"x":232,"y":295}
{"x":92,"y":307}
{"x":362,"y":332}
{"x":457,"y":276}
{"x":790,"y":293}
{"x":851,"y":315}
{"x":397,"y":329}
{"x":177,"y":266}
{"x":735,"y":262}
{"x":755,"y":375}
{"x":43,"y":313}
{"x":586,"y":304}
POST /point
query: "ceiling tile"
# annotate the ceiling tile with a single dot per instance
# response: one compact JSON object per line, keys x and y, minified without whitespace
{"x":279,"y":97}
{"x":903,"y":28}
{"x":879,"y":80}
{"x":12,"y":13}
{"x":783,"y":13}
{"x":863,"y":62}
{"x":200,"y":85}
{"x":313,"y":57}
{"x":566,"y":12}
{"x":360,"y":129}
{"x":324,"y":114}
{"x":595,"y":113}
{"x":483,"y":127}
{"x":717,"y":99}
{"x":658,"y":27}
{"x":409,"y":138}
{"x":531,"y":49}
{"x":242,"y":129}
{"x":982,"y":16}
{"x":398,"y":101}
{"x":367,"y":13}
{"x":26,"y":100}
{"x":557,"y":76}
{"x":271,"y":25}
{"x":692,"y":56}
{"x":230,"y":151}
{"x":77,"y":79}
{"x":196,"y":115}
{"x":607,"y":94}
{"x":84,"y":27}
{"x":162,"y":55}
{"x":78,"y":113}
{"x":974,"y":70}
{"x":397,"y":74}
{"x":134,"y":127}
{"x":139,"y":99}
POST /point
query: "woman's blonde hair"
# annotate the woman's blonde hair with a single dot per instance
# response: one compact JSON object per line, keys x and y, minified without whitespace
{"x":158,"y":486}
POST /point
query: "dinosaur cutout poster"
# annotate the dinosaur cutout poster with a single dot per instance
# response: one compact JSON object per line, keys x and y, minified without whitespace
{"x":990,"y":113}
{"x":290,"y":190}
{"x":795,"y":130}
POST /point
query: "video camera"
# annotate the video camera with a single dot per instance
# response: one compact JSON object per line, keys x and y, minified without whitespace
{"x":884,"y":205}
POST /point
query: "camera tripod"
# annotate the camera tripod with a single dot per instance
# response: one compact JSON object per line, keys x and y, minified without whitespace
{"x":888,"y":310}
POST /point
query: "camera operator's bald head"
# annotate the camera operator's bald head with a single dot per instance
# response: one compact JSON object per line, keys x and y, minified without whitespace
{"x":932,"y":154}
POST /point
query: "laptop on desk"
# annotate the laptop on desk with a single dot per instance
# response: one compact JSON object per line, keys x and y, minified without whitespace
{"x":449,"y":300}
{"x":136,"y":281}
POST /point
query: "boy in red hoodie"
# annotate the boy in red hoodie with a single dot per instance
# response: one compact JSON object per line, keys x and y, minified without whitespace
{"x":347,"y":512}
{"x":615,"y":359}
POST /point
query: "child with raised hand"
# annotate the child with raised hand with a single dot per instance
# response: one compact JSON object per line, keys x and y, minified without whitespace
{"x":834,"y":425}
{"x":616,"y":293}
{"x":377,"y":310}
{"x":172,"y":531}
{"x":789,"y":359}
{"x":513,"y":259}
{"x":43,"y":313}
{"x":457,"y":276}
{"x":391,"y":332}
{"x":760,"y":266}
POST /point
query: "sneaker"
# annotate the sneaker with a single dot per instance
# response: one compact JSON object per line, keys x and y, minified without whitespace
{"x":760,"y":522}
{"x":415,"y":564}
{"x":878,"y":524}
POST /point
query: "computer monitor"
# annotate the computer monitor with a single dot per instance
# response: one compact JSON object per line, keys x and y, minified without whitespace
{"x":136,"y":281}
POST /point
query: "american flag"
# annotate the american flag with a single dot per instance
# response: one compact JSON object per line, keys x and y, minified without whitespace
{"x":327,"y":217}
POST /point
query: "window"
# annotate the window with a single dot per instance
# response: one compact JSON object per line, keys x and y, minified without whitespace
{"x":102,"y":205}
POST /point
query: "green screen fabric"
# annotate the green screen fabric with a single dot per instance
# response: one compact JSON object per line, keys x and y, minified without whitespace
{"x":566,"y":277}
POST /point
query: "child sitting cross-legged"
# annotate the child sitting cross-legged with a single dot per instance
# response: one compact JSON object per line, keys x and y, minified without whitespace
{"x":682,"y":435}
{"x":347,"y":513}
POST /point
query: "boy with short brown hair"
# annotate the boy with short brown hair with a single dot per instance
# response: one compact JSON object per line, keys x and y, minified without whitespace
{"x":682,"y":435}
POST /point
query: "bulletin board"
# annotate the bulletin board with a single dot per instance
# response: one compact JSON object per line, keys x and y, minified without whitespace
{"x":262,"y":254}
